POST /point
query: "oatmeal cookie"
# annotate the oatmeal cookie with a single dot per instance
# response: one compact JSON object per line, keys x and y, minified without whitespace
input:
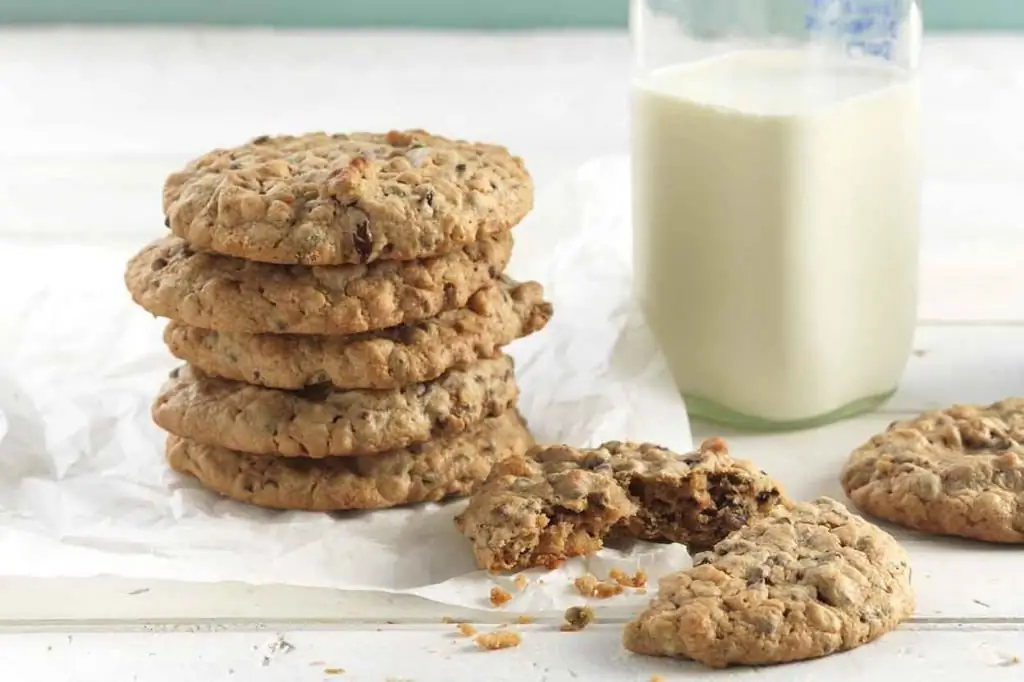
{"x":559,"y":502}
{"x":322,"y":422}
{"x":384,"y":359}
{"x":807,"y":580}
{"x":426,"y":472}
{"x":958,"y":471}
{"x":320,"y":199}
{"x":169,"y":279}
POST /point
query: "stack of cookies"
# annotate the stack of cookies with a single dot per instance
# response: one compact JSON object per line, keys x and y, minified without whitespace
{"x":341,"y":304}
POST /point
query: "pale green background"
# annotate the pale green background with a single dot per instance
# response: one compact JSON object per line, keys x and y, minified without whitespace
{"x":461,"y":14}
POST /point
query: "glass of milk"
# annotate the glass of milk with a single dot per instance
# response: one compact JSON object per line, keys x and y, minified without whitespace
{"x":776,"y":191}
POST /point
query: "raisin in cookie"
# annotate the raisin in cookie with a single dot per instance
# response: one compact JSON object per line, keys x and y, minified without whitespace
{"x":560,"y":502}
{"x":426,"y":472}
{"x":169,"y":279}
{"x":956,"y":472}
{"x":320,"y":199}
{"x":805,"y":581}
{"x":389,"y":358}
{"x":322,"y":422}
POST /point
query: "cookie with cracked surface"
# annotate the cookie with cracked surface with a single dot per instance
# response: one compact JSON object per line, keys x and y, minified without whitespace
{"x":169,"y":279}
{"x":559,"y":502}
{"x":958,"y":472}
{"x":807,"y":580}
{"x":388,"y":358}
{"x":322,"y":422}
{"x":319,"y":199}
{"x":426,"y":472}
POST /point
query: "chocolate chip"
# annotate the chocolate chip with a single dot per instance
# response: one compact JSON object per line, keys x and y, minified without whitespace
{"x":262,"y":139}
{"x":460,"y":168}
{"x":256,"y":376}
{"x":450,"y":295}
{"x":363,"y":240}
{"x":428,"y":196}
{"x":175,"y":372}
{"x":755,"y":576}
{"x":159,"y":264}
{"x":167,"y":221}
{"x":765,"y":495}
{"x":316,"y":393}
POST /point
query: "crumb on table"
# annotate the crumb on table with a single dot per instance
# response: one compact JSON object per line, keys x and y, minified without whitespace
{"x":520,"y":582}
{"x":334,"y":671}
{"x":502,"y":639}
{"x":499,"y":596}
{"x":524,"y":620}
{"x":467,"y":630}
{"x":577,"y":618}
{"x":447,"y":620}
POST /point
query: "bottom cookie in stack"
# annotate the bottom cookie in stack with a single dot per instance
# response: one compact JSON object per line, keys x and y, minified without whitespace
{"x":426,"y":472}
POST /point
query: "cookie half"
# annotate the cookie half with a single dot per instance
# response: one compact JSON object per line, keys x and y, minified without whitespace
{"x":385,"y":359}
{"x":320,"y":199}
{"x":802,"y":582}
{"x":428,"y":472}
{"x":169,"y":279}
{"x":322,"y":422}
{"x":954,"y":472}
{"x":559,"y":502}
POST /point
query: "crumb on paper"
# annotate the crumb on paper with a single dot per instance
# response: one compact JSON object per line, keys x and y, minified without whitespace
{"x":500,"y":596}
{"x":520,"y":582}
{"x":577,"y":618}
{"x":638,"y":579}
{"x":467,"y":630}
{"x":1013,"y":660}
{"x":524,"y":620}
{"x":589,"y":586}
{"x":141,"y":590}
{"x":447,"y":620}
{"x":920,"y":352}
{"x":502,"y":639}
{"x":334,"y":671}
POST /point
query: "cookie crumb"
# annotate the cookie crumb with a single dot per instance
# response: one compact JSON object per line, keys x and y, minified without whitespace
{"x":638,"y":579}
{"x":577,"y":618}
{"x":504,"y":639}
{"x":334,"y":671}
{"x":657,"y":678}
{"x":467,"y":630}
{"x":586,"y":585}
{"x":1015,"y":660}
{"x":499,"y":596}
{"x":524,"y":620}
{"x":520,"y":582}
{"x":447,"y":620}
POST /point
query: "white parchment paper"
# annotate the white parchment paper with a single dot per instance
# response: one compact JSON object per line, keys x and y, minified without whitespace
{"x":84,"y":489}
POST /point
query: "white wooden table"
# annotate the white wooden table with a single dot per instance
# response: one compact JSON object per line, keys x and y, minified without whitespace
{"x":105,"y":115}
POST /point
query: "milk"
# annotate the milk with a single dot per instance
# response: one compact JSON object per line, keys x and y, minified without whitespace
{"x":776,"y":210}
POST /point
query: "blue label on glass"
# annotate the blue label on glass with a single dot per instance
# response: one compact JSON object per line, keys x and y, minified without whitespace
{"x":863,"y":27}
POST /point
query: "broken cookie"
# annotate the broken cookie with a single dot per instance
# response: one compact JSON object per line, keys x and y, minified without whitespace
{"x":559,"y":502}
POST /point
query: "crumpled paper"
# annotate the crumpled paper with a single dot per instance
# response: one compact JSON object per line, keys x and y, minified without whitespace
{"x":84,"y":490}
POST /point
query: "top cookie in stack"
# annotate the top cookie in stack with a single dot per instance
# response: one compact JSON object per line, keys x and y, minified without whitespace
{"x":341,"y":303}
